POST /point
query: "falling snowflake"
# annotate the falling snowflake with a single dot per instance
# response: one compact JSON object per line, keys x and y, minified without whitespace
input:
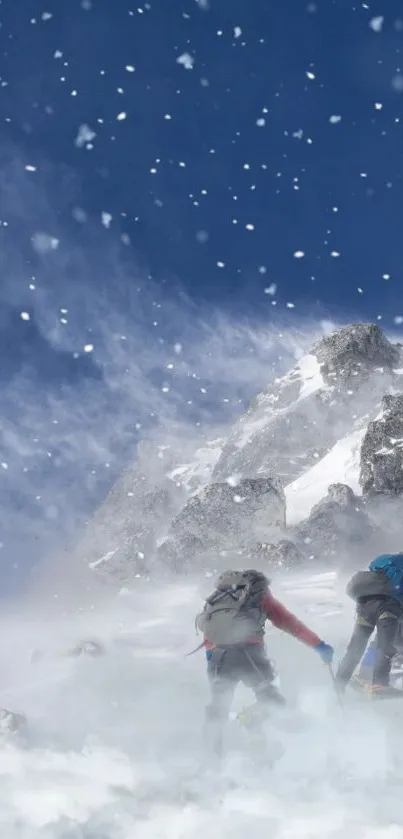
{"x":79,"y":215}
{"x":334,"y":119}
{"x":299,"y":254}
{"x":397,"y":83}
{"x":106,"y":219}
{"x":85,"y":135}
{"x":186,"y":60}
{"x":43,"y":242}
{"x":376,"y":23}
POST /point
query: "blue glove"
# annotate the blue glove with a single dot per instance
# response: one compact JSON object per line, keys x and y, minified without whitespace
{"x":325,"y":651}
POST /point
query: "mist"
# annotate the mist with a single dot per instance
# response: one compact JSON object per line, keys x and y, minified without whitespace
{"x":96,"y":356}
{"x":91,"y":369}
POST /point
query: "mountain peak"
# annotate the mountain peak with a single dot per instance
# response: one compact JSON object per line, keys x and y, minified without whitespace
{"x":355,"y":350}
{"x":334,"y":413}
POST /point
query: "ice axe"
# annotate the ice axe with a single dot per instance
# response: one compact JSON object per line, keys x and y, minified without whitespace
{"x":335,"y":686}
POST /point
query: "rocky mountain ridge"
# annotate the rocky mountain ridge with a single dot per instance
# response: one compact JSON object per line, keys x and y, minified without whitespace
{"x":231,"y":497}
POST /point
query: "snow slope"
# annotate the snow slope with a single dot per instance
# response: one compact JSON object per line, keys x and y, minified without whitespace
{"x":198,"y":472}
{"x":298,"y":384}
{"x":340,"y":465}
{"x":115,"y":742}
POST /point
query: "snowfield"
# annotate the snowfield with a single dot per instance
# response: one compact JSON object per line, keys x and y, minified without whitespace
{"x":342,"y":463}
{"x":114,"y":744}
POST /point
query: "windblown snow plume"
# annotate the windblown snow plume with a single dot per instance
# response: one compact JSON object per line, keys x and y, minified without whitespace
{"x":95,"y":658}
{"x":288,"y":482}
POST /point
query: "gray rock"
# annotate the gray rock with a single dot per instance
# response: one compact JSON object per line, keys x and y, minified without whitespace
{"x":354,"y":352}
{"x":279,"y":556}
{"x":177,"y":553}
{"x":125,"y":545}
{"x":121,"y":539}
{"x":222,"y":517}
{"x":337,"y":526}
{"x":382,"y":450}
{"x":89,"y":647}
{"x":11,"y":722}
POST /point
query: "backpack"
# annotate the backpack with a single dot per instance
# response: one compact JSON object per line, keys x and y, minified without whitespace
{"x":365,"y":584}
{"x":232,"y":614}
{"x":391,"y":566}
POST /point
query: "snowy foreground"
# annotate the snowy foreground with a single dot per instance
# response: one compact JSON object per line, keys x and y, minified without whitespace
{"x":114,"y":744}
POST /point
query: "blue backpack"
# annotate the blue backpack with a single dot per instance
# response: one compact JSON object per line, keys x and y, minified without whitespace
{"x":391,"y":565}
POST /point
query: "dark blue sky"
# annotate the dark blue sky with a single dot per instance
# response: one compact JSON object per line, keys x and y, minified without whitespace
{"x":125,"y":171}
{"x":168,"y":182}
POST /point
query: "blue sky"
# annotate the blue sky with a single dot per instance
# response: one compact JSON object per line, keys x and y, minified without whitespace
{"x":168,"y":164}
{"x":192,"y":164}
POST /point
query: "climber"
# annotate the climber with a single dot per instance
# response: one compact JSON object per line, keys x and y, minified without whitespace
{"x":378,"y":594}
{"x":364,"y":675}
{"x":233,"y":622}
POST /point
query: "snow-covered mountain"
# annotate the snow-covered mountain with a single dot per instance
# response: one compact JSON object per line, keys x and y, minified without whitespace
{"x":335,"y":420}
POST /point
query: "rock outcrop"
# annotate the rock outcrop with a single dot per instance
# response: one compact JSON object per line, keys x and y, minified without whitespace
{"x":336,"y":527}
{"x":353,"y":353}
{"x":382,"y":450}
{"x":279,"y":556}
{"x":121,"y":540}
{"x":225,"y":516}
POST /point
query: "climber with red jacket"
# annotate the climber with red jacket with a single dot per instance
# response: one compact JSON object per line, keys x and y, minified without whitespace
{"x":233,"y":625}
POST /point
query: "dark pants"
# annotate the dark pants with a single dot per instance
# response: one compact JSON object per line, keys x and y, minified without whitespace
{"x":382,"y":614}
{"x":228,"y":666}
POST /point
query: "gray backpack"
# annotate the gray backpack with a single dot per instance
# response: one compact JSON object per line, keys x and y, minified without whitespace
{"x":233,"y":613}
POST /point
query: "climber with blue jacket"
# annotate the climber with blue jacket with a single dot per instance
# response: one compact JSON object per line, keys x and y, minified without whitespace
{"x":378,"y":594}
